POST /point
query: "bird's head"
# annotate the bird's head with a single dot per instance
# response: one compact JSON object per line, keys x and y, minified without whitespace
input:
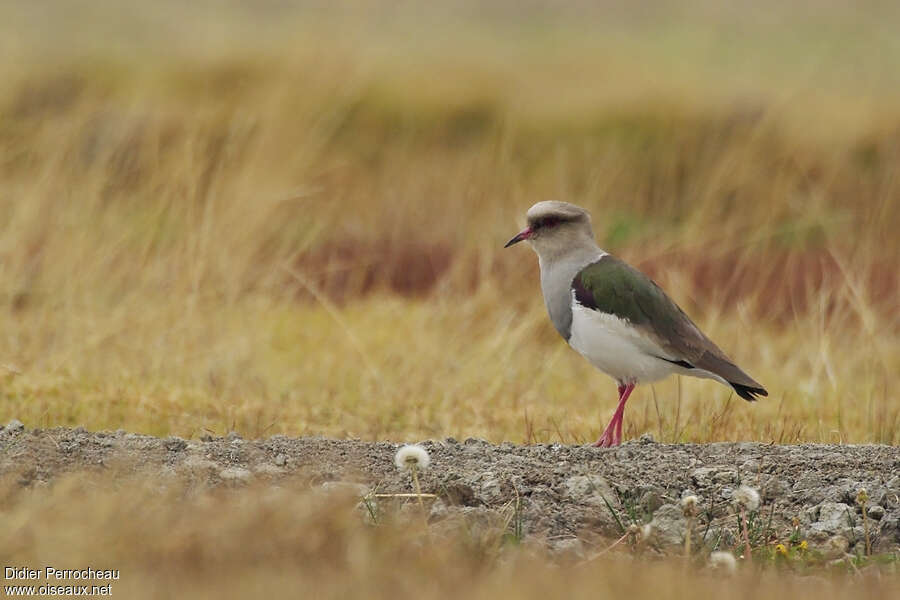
{"x":554,"y":228}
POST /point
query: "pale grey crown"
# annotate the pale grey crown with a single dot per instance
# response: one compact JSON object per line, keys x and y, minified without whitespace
{"x":559,"y":228}
{"x":556,"y":209}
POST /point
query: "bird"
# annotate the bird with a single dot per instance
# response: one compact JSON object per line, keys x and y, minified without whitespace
{"x":615,"y":316}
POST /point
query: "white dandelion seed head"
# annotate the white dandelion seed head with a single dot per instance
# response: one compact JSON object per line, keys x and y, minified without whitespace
{"x":412,"y":455}
{"x":723,"y":561}
{"x":689,"y":505}
{"x":746,"y":497}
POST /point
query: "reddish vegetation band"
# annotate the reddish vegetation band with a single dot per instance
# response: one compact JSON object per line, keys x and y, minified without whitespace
{"x":791,"y":280}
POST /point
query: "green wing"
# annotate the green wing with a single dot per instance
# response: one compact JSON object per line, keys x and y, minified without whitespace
{"x":612,"y":286}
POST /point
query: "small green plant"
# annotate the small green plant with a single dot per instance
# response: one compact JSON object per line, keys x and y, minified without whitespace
{"x":862,"y":498}
{"x":515,"y":527}
{"x":371,"y":507}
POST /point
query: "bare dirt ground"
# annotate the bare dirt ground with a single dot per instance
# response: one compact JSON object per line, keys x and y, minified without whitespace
{"x":568,"y":497}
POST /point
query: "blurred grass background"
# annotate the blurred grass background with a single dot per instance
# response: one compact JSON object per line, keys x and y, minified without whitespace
{"x":281,"y":217}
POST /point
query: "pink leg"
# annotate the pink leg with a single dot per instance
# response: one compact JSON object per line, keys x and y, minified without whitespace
{"x":612,"y":435}
{"x":626,"y":396}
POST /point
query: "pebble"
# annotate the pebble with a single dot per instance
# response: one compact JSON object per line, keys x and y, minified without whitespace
{"x":590,"y":489}
{"x":175,"y":444}
{"x":875,"y":512}
{"x":668,"y":527}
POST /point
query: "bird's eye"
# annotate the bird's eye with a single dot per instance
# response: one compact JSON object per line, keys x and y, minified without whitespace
{"x":550,"y":222}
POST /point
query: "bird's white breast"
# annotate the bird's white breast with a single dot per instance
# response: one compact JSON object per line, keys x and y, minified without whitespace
{"x":616,"y":347}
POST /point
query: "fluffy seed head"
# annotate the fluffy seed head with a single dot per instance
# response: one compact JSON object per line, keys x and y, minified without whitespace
{"x":746,"y":497}
{"x":689,"y":505}
{"x":723,"y":561}
{"x":862,"y":496}
{"x":412,"y":455}
{"x":640,"y":533}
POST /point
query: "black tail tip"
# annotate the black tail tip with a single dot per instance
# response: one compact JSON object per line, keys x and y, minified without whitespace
{"x":747,"y":392}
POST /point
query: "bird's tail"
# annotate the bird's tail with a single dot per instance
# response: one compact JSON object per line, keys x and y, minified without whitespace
{"x":748,"y":392}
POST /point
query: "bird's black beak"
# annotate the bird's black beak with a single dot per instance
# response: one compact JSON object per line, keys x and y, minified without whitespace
{"x":522,"y":235}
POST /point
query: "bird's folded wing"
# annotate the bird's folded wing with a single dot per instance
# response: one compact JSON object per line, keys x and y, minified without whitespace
{"x":612,"y":286}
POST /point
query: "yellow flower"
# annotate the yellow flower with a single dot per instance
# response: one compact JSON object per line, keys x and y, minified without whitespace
{"x":780,"y":549}
{"x":803,"y":546}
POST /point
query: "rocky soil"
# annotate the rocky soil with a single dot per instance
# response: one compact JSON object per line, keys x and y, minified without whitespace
{"x":568,"y":497}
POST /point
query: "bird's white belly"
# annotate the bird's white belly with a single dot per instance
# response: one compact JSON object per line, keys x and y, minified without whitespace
{"x":615,"y":347}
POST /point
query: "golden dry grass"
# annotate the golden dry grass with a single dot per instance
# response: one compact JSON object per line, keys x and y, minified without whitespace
{"x":303,"y":236}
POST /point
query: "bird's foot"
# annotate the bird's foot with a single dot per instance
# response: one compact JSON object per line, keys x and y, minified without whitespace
{"x":608,"y":439}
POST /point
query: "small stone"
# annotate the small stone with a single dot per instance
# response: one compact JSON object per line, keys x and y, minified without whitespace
{"x":668,"y":526}
{"x":175,"y":444}
{"x":15,"y":426}
{"x":707,"y":476}
{"x":233,"y":435}
{"x":875,"y":512}
{"x":491,"y":488}
{"x":772,"y":488}
{"x":834,"y":518}
{"x":750,"y":466}
{"x":651,"y":500}
{"x":646,"y":438}
{"x":280,"y":460}
{"x":888,"y":534}
{"x":590,"y":489}
{"x":726,"y":476}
